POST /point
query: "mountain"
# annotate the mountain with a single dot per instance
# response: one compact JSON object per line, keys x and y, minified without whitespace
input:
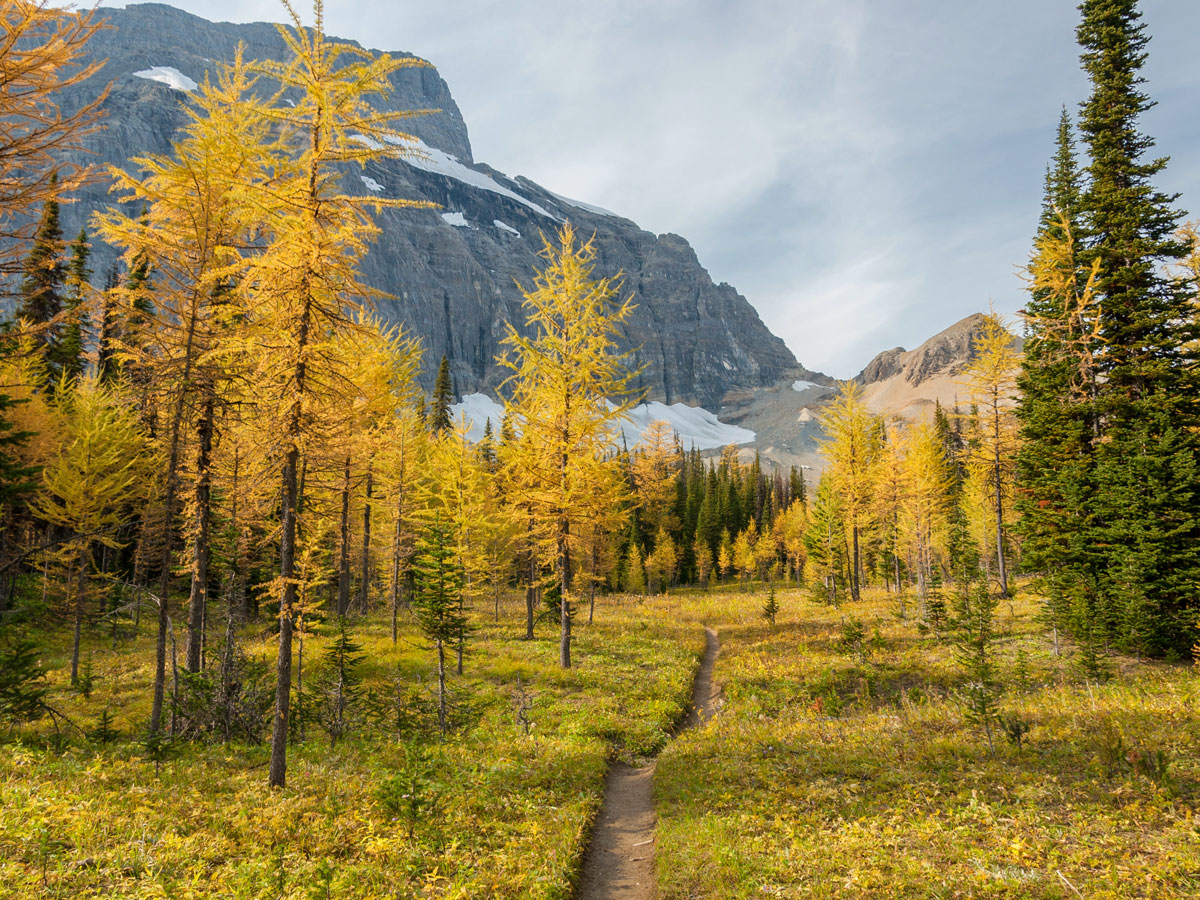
{"x":452,"y":272}
{"x":898,"y":383}
{"x":908,"y":383}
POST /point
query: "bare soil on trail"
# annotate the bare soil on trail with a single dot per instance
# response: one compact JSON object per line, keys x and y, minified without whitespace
{"x":619,"y":862}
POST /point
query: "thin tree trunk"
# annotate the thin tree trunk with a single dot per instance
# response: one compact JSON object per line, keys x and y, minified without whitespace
{"x":80,"y":589}
{"x":564,"y":575}
{"x":343,"y":585}
{"x":174,"y":683}
{"x":227,"y":674}
{"x":201,"y":553}
{"x":530,"y":588}
{"x":1000,"y":561}
{"x":365,"y":580}
{"x":855,"y":584}
{"x":462,"y":636}
{"x":397,"y":538}
{"x":300,"y":676}
{"x":277,"y":776}
{"x":164,"y":584}
{"x":441,"y":652}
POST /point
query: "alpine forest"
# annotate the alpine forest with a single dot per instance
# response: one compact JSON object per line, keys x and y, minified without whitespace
{"x":304,"y":597}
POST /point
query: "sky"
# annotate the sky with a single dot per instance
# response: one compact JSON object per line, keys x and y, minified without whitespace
{"x":865,"y":172}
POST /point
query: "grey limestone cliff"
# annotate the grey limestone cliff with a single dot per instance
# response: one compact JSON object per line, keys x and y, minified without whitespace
{"x":453,"y":272}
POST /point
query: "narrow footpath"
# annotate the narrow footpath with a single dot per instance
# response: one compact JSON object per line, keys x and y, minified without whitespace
{"x":619,"y":862}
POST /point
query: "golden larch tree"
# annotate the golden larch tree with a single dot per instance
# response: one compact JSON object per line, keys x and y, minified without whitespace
{"x":569,"y":393}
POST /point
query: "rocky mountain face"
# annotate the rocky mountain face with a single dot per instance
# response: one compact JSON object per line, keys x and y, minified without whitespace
{"x":909,"y":383}
{"x":452,"y":272}
{"x":897,"y":384}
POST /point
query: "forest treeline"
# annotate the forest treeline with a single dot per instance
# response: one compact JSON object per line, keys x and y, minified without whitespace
{"x":220,"y":431}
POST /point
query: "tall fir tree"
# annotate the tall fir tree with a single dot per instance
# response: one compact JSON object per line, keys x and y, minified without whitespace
{"x":68,"y":355}
{"x":1057,"y":410}
{"x":1148,"y":458}
{"x":41,"y":291}
{"x":443,"y":399}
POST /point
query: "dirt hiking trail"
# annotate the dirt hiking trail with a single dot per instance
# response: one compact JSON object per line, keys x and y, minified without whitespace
{"x":619,"y":861}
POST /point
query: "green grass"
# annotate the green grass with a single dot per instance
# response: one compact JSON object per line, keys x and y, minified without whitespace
{"x":828,"y":772}
{"x":510,"y":811}
{"x":830,"y":775}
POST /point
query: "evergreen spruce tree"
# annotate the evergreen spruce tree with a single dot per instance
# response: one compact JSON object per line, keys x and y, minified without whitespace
{"x":437,"y":584}
{"x":1056,"y":410}
{"x":443,"y":399}
{"x":16,"y":478}
{"x":770,"y":606}
{"x":339,"y":682}
{"x":1148,"y":460}
{"x":42,"y":284}
{"x":67,"y":357}
{"x":108,"y":329}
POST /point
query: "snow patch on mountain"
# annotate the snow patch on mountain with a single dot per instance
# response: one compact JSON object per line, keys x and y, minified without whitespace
{"x":586,"y":207}
{"x":457,"y":219}
{"x":431,"y":159}
{"x":697,"y":427}
{"x":371,"y":184}
{"x":168,"y":75}
{"x":803,"y":385}
{"x":475,"y":411}
{"x":505,"y":227}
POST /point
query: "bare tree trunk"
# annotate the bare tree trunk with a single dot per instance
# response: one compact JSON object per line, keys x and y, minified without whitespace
{"x":1002,"y":568}
{"x":237,"y":598}
{"x":287,"y":571}
{"x":441,"y":652}
{"x":397,"y":538}
{"x":365,"y":580}
{"x":564,"y":580}
{"x":201,"y":553}
{"x":164,"y":581}
{"x":462,"y":636}
{"x":80,"y":590}
{"x":530,"y":584}
{"x":283,"y":671}
{"x":855,"y":585}
{"x":343,"y":585}
{"x":227,"y":675}
{"x":174,"y":683}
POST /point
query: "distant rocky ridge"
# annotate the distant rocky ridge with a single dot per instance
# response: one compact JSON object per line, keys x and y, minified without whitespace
{"x":909,"y":384}
{"x":453,"y":272}
{"x":897,"y":384}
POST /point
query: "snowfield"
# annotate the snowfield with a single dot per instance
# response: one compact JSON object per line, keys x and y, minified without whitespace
{"x":803,"y":385}
{"x":586,"y":207}
{"x":430,"y":159}
{"x":168,"y":75}
{"x":697,"y":428}
{"x":371,"y":184}
{"x":457,"y":219}
{"x":475,"y":410}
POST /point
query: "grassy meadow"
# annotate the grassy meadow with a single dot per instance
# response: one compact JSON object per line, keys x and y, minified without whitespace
{"x":846,"y":768}
{"x":840,"y":765}
{"x":490,"y":812}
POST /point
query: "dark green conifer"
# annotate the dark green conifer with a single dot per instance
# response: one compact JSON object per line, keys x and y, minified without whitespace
{"x":1056,"y":460}
{"x":108,"y":329}
{"x":42,"y":283}
{"x":437,"y":577}
{"x":443,"y":399}
{"x":67,"y":357}
{"x":339,"y":682}
{"x":1148,"y":459}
